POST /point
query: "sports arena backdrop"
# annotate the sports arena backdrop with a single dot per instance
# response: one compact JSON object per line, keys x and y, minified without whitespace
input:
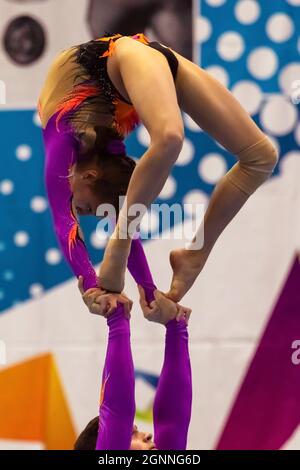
{"x":245,"y":328}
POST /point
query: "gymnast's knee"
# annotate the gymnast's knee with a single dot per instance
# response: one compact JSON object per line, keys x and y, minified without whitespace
{"x":256,"y":164}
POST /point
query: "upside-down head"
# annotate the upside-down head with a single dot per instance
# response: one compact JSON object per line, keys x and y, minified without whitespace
{"x":88,"y":438}
{"x":102,"y":174}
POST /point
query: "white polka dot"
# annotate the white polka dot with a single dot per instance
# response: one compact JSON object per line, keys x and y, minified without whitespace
{"x":297,"y":134}
{"x":279,"y":116}
{"x":247,"y":11}
{"x":21,"y":238}
{"x":275,"y":142}
{"x":193,"y":198}
{"x":203,"y":29}
{"x":249,"y":95}
{"x":186,"y":154}
{"x":8,"y":275}
{"x":143,"y":136}
{"x":190,"y":123}
{"x":36,"y":290}
{"x":6,"y":187}
{"x":289,"y":79}
{"x":295,"y":95}
{"x":295,"y":3}
{"x":290,"y":164}
{"x":99,"y":238}
{"x":219,"y":73}
{"x":150,"y":222}
{"x":280,"y":27}
{"x":53,"y":256}
{"x":38,"y":204}
{"x":169,"y":188}
{"x":230,"y":46}
{"x":23,"y":152}
{"x":212,"y":167}
{"x":36,"y":119}
{"x":262,"y":63}
{"x":215,"y":3}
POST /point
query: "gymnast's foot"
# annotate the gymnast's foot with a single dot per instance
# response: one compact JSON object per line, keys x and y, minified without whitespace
{"x":113,"y":266}
{"x":186,"y":265}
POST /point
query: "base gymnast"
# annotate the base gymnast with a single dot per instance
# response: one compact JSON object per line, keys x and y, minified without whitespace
{"x":95,"y":94}
{"x":114,"y":429}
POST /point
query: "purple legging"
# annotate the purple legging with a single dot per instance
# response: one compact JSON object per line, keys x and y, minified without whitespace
{"x":173,"y":399}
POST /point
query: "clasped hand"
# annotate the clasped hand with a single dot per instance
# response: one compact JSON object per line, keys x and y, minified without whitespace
{"x":103,"y":303}
{"x":161,"y":310}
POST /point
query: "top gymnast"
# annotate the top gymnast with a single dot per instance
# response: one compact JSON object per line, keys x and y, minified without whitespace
{"x":95,"y":94}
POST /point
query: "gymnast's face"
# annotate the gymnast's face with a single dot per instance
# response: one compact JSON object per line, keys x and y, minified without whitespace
{"x":141,"y":440}
{"x":85,"y":201}
{"x":94,"y":183}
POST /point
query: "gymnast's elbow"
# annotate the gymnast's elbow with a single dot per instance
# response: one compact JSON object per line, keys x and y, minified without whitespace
{"x":169,"y":141}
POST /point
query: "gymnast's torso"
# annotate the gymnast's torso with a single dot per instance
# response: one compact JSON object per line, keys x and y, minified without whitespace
{"x":79,"y":90}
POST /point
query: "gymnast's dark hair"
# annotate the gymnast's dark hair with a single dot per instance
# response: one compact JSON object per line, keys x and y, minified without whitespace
{"x":115,"y":170}
{"x":88,"y":438}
